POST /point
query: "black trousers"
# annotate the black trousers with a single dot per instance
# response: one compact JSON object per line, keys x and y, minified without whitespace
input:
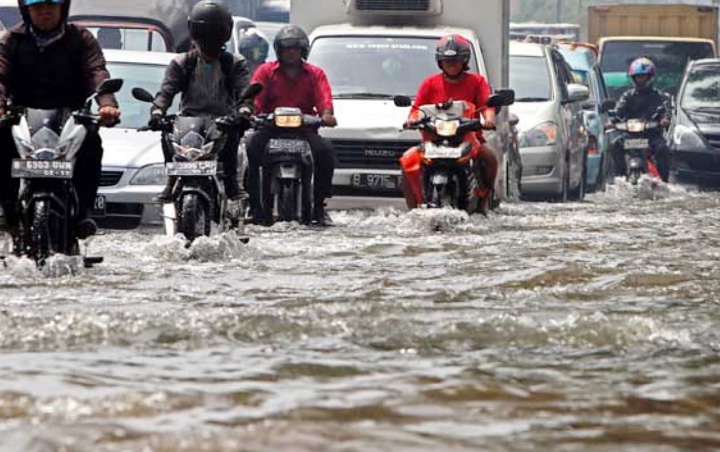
{"x":323,"y":155}
{"x":86,"y":175}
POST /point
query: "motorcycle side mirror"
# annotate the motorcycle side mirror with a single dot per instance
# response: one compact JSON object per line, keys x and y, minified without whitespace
{"x":501,"y":98}
{"x":252,"y":90}
{"x":513,"y":119}
{"x":109,"y":86}
{"x":607,"y":105}
{"x":402,"y":101}
{"x":142,"y":95}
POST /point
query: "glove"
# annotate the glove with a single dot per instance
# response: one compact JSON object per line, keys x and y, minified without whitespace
{"x":155,"y":121}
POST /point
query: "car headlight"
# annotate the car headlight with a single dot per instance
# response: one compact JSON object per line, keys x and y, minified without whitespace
{"x":685,"y":137}
{"x":446,"y":128}
{"x":543,"y":135}
{"x":154,"y":174}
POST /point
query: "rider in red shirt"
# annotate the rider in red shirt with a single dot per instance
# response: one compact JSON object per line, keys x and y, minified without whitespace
{"x":453,"y":83}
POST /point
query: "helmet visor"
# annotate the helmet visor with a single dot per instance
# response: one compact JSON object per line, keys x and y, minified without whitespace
{"x":291,"y":42}
{"x":39,"y":2}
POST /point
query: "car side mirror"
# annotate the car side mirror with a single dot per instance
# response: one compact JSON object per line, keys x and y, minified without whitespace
{"x":402,"y":101}
{"x":513,"y":120}
{"x":142,"y":95}
{"x":577,"y":93}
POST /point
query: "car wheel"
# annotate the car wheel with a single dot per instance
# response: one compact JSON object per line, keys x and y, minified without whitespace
{"x":563,"y":195}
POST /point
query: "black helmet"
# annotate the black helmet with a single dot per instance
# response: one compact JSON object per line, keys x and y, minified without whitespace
{"x":23,"y":5}
{"x":453,"y":47}
{"x":292,"y":36}
{"x":210,"y":24}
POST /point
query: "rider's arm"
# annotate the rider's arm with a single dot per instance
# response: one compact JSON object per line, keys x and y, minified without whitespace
{"x":323,"y":98}
{"x":5,"y":67}
{"x":171,"y":85}
{"x":423,"y":96}
{"x":94,"y":70}
{"x":262,"y":100}
{"x":621,"y":106}
{"x":241,"y":79}
{"x":484,"y":92}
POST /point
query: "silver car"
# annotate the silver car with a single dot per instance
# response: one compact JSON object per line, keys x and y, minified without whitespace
{"x":133,"y":168}
{"x":552,"y":138}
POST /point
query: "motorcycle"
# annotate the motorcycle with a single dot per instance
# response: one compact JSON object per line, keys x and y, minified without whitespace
{"x":47,"y":142}
{"x":636,"y":143}
{"x":287,"y":165}
{"x":445,"y":155}
{"x":192,"y":146}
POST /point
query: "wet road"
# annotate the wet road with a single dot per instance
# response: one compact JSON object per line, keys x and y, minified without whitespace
{"x":583,"y":326}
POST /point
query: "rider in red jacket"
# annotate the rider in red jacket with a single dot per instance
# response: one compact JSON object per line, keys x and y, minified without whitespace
{"x":453,"y":83}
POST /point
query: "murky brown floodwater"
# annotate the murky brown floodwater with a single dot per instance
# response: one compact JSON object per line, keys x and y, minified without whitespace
{"x":591,"y":326}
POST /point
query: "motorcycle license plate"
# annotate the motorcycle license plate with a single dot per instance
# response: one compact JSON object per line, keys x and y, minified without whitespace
{"x":100,"y":206}
{"x":287,"y":146}
{"x":637,"y":143}
{"x":375,"y":181}
{"x":442,"y":152}
{"x":41,"y":169}
{"x":201,"y":168}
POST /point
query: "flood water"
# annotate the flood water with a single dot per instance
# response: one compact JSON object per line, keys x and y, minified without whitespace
{"x":572,"y":327}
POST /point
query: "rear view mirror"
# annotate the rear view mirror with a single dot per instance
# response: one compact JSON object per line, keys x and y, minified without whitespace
{"x":142,"y":95}
{"x":109,"y":86}
{"x":501,"y":98}
{"x":577,"y":93}
{"x":402,"y":101}
{"x":514,"y":120}
{"x":252,"y":90}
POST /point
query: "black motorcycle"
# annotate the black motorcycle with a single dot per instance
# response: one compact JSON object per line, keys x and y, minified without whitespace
{"x":287,"y":165}
{"x":47,"y":142}
{"x":192,"y":145}
{"x":636,"y":143}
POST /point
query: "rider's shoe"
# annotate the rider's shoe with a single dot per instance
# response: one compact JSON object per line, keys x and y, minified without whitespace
{"x":166,"y":194}
{"x":320,"y":216}
{"x":85,"y":226}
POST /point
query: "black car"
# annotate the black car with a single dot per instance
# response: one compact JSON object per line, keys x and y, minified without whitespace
{"x":694,"y":135}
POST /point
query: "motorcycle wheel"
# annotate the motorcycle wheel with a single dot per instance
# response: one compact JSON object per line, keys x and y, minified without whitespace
{"x":306,"y":200}
{"x":634,"y":177}
{"x":194,"y":220}
{"x":40,"y":246}
{"x":289,"y":201}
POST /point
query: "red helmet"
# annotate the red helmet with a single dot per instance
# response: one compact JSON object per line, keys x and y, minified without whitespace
{"x":453,"y":47}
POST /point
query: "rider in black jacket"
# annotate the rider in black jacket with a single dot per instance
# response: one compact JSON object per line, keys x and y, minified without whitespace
{"x":644,"y":101}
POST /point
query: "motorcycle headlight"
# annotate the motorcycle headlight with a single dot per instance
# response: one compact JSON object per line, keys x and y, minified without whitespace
{"x":635,"y":125}
{"x":45,"y":154}
{"x":191,"y":153}
{"x":288,"y":120}
{"x":685,"y":137}
{"x":154,"y":174}
{"x":543,"y":135}
{"x":446,"y":128}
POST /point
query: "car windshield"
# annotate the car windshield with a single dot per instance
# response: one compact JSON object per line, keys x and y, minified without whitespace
{"x":670,"y":58}
{"x":702,"y":89}
{"x":129,"y":38}
{"x":372,"y":66}
{"x":530,"y":78}
{"x":148,"y":76}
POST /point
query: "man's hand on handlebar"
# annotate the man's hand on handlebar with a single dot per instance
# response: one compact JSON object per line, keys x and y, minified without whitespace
{"x":109,"y":115}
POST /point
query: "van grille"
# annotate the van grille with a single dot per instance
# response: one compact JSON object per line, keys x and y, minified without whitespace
{"x":370,"y":154}
{"x":392,"y":5}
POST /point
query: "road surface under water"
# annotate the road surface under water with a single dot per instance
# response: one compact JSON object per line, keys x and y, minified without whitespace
{"x":579,"y":326}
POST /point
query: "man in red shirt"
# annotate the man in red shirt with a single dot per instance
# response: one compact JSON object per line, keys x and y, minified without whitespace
{"x":456,"y":83}
{"x":292,"y":82}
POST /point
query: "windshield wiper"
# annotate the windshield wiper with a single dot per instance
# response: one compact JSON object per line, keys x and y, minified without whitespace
{"x":363,"y":96}
{"x":532,"y":99}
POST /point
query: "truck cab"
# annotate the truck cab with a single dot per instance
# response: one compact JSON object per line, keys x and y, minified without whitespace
{"x":372,"y":51}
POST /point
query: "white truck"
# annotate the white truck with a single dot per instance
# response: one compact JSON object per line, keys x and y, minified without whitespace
{"x":372,"y":50}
